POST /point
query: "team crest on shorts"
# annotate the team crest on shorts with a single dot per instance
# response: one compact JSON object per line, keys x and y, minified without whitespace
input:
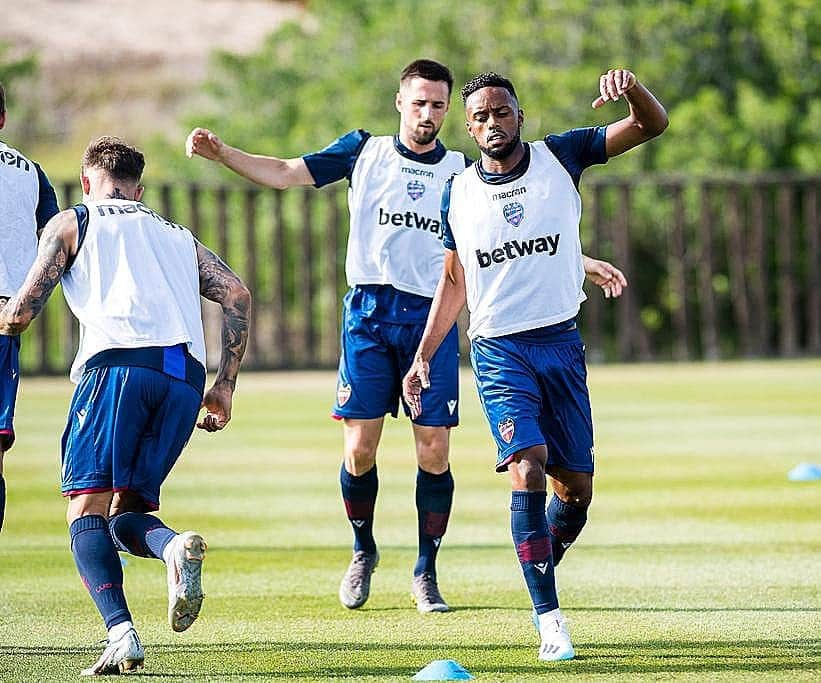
{"x":514,"y":213}
{"x":415,"y":189}
{"x":343,"y":393}
{"x":506,"y":428}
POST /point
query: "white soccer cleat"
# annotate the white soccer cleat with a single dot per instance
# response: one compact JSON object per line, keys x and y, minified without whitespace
{"x":356,"y":583}
{"x":556,"y":643}
{"x":425,"y":594}
{"x":183,"y":558}
{"x":124,"y":654}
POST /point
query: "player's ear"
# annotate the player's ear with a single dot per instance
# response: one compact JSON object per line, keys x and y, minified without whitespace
{"x":138,"y":194}
{"x":86,"y":183}
{"x":398,"y":101}
{"x":2,"y":120}
{"x":521,"y":117}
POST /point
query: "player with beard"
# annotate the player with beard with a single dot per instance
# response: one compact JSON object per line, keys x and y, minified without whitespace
{"x":511,"y":226}
{"x":394,"y":259}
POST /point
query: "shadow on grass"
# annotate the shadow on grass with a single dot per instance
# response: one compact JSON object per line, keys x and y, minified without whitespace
{"x":654,"y":657}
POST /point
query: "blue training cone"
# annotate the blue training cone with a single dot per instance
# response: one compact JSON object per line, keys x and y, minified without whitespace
{"x":806,"y":471}
{"x":443,"y":670}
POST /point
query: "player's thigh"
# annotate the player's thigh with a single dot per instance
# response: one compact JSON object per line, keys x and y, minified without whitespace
{"x":566,"y":419}
{"x":105,"y":423}
{"x":440,"y":402}
{"x":170,"y":429}
{"x":510,"y":397}
{"x":367,"y":383}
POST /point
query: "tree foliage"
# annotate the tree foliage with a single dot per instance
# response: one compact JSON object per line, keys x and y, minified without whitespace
{"x":740,"y":78}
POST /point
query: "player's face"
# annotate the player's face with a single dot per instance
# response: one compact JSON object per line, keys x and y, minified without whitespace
{"x":494,"y":121}
{"x":422,"y":105}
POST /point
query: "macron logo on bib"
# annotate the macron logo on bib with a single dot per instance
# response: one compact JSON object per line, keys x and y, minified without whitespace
{"x":549,"y":244}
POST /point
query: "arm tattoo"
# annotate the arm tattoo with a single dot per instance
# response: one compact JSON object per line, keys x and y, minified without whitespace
{"x":219,"y":283}
{"x":48,"y":269}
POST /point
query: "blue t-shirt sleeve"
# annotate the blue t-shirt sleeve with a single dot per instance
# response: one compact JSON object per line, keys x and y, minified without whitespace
{"x":47,"y":203}
{"x":579,"y":148}
{"x":336,"y":161}
{"x":444,"y":208}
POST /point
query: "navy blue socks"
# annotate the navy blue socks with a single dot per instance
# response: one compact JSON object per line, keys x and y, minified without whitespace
{"x":140,"y":534}
{"x":359,"y":495}
{"x":564,"y":522}
{"x":434,"y":497}
{"x":99,"y":566}
{"x":528,"y":525}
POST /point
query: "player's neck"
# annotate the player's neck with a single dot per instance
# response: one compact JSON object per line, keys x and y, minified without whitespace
{"x":505,"y":165}
{"x":415,"y":147}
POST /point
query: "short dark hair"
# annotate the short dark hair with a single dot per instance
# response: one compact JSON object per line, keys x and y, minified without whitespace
{"x":118,"y":158}
{"x":429,"y":70}
{"x":488,"y":79}
{"x":2,"y":100}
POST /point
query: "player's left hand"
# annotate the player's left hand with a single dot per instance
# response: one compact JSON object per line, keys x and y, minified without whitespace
{"x":217,"y":404}
{"x":414,"y":383}
{"x":613,"y":85}
{"x":606,"y":276}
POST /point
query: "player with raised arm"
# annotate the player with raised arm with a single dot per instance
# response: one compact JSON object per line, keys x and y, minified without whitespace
{"x":27,"y":202}
{"x":511,"y":226}
{"x":394,"y":258}
{"x":134,"y":280}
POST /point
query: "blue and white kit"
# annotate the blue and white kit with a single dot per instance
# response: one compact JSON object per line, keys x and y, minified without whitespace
{"x":27,"y":203}
{"x":393,"y":264}
{"x":517,"y":236}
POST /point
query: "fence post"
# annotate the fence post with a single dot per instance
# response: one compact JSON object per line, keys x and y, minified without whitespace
{"x":282,"y":353}
{"x":707,"y":305}
{"x":593,"y":306}
{"x":758,"y":259}
{"x":306,"y":281}
{"x":677,"y":276}
{"x":813,"y":268}
{"x":788,"y":332}
{"x":737,"y":271}
{"x":251,"y":195}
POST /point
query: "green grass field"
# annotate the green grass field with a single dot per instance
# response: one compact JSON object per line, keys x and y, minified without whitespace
{"x":700,"y":561}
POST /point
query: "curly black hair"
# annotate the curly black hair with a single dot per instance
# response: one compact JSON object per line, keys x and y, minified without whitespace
{"x":488,"y":79}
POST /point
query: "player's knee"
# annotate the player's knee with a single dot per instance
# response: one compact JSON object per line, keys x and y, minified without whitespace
{"x":578,"y":495}
{"x":359,"y":459}
{"x":432,"y":454}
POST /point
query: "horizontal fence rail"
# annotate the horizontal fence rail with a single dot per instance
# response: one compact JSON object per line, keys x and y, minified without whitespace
{"x":718,"y":268}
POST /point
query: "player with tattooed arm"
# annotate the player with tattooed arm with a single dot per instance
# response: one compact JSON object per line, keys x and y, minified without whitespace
{"x":134,"y":280}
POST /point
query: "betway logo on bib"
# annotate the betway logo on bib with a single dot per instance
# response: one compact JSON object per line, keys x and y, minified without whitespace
{"x":410,"y":219}
{"x":549,"y":244}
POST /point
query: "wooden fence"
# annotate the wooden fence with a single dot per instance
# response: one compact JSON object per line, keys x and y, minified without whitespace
{"x":718,"y":268}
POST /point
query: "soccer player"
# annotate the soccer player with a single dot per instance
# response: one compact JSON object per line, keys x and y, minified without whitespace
{"x":27,"y":202}
{"x":134,"y":280}
{"x":394,"y":258}
{"x":511,"y":226}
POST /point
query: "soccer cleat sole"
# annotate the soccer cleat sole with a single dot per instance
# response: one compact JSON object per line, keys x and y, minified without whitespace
{"x":185,"y":610}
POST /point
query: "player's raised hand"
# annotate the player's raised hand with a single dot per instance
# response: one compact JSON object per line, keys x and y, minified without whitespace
{"x":613,"y":85}
{"x":203,"y":142}
{"x":414,"y":383}
{"x":217,"y":404}
{"x":606,"y":276}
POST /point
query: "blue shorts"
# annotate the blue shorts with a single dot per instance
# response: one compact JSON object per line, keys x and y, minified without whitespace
{"x":533,"y":389}
{"x":375,"y":357}
{"x":9,"y":379}
{"x":126,"y":428}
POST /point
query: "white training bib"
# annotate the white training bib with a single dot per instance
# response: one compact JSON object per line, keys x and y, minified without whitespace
{"x":519,"y":245}
{"x":396,"y":231}
{"x":19,"y":196}
{"x":134,"y":283}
